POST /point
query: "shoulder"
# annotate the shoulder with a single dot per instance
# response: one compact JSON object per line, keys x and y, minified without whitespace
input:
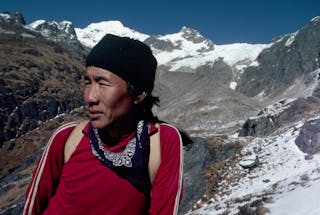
{"x":63,"y":131}
{"x":171,"y":131}
{"x":170,"y":138}
{"x":51,"y":160}
{"x":60,"y":136}
{"x":168,"y":130}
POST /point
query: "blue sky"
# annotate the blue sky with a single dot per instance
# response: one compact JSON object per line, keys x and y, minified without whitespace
{"x":222,"y":21}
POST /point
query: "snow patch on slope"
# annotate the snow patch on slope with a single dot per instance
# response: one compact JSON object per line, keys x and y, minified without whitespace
{"x":189,"y":57}
{"x":284,"y":173}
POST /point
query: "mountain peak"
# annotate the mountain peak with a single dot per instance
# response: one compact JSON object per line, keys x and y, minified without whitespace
{"x":106,"y":24}
{"x":316,"y":19}
{"x":190,"y":31}
{"x":50,"y":29}
{"x":62,"y":33}
{"x":63,"y":25}
{"x":91,"y":34}
{"x":195,"y":37}
{"x":12,"y":18}
{"x":192,"y":35}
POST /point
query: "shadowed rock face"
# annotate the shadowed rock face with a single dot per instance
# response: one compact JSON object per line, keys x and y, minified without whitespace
{"x":63,"y":34}
{"x":266,"y":124}
{"x":38,"y":83}
{"x":290,"y":57}
{"x":8,"y":18}
{"x":194,"y":165}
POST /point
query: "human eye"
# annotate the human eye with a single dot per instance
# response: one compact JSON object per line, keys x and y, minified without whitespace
{"x":87,"y":81}
{"x":104,"y":82}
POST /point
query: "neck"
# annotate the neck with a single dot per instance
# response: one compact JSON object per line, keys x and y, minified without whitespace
{"x":113,"y":135}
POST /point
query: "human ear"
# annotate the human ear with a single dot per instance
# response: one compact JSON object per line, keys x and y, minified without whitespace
{"x":140,"y":98}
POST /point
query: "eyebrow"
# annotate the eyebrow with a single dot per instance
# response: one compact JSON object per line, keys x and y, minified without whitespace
{"x":97,"y":78}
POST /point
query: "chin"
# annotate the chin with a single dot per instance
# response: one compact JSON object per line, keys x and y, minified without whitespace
{"x":97,"y":124}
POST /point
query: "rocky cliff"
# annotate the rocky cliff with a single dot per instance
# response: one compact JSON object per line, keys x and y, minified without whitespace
{"x":291,"y":60}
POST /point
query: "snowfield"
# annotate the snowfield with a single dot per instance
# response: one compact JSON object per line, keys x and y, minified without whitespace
{"x":285,"y":174}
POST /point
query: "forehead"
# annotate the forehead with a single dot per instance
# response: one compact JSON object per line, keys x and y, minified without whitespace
{"x":95,"y":72}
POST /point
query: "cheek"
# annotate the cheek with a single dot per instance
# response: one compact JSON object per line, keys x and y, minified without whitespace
{"x":121,"y":104}
{"x":85,"y":94}
{"x":115,"y":100}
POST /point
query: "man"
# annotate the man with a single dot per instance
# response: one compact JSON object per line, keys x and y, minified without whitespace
{"x":115,"y":166}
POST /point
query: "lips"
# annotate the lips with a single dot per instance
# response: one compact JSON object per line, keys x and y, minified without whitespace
{"x":94,"y":114}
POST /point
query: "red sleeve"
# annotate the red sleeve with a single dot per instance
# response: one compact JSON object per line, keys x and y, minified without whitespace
{"x":46,"y":176}
{"x":166,"y":190}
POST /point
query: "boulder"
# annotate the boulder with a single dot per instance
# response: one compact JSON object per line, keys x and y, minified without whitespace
{"x":308,"y":140}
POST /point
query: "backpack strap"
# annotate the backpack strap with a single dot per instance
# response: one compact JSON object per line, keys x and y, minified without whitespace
{"x":155,"y":149}
{"x":155,"y":153}
{"x":73,"y":140}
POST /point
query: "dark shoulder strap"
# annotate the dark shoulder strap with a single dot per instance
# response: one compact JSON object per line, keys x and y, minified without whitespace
{"x":155,"y":153}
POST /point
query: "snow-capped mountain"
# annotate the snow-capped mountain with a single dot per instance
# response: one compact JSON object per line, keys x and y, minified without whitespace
{"x":184,"y":51}
{"x":47,"y":29}
{"x":62,"y":33}
{"x":187,"y":48}
{"x":91,"y":34}
{"x":12,"y":19}
{"x":187,"y":53}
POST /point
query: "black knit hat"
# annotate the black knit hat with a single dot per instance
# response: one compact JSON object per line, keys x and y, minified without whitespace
{"x":128,"y":58}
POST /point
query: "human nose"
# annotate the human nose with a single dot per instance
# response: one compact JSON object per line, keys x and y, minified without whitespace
{"x":91,"y":94}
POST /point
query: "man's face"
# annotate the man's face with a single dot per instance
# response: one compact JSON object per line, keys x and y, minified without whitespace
{"x":107,"y":97}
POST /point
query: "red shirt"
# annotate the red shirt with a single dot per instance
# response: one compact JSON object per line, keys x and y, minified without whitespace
{"x":84,"y":186}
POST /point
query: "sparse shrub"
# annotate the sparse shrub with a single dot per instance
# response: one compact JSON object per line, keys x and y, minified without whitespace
{"x":33,"y":52}
{"x":254,"y":208}
{"x":58,"y":49}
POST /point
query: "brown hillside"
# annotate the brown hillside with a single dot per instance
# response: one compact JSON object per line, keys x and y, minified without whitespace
{"x":40,"y":82}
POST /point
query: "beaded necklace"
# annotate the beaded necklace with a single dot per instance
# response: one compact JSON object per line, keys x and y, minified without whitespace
{"x":118,"y":159}
{"x":132,"y":162}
